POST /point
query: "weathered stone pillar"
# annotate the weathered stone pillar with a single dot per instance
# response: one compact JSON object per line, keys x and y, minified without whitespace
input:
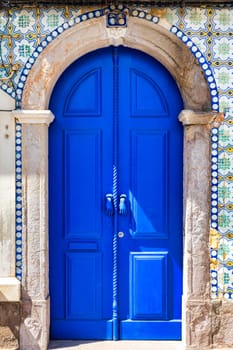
{"x":34,"y":329}
{"x":197,"y":331}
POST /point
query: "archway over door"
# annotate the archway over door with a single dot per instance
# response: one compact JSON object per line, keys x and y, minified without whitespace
{"x":158,"y":42}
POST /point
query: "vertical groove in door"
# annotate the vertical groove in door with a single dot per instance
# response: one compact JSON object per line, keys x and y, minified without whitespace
{"x":115,"y":59}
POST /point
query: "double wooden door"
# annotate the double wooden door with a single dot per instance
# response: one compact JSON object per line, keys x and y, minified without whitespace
{"x":115,"y":193}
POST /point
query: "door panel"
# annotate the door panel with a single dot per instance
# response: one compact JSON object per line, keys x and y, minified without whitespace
{"x":142,"y":85}
{"x":116,"y":114}
{"x":84,"y":98}
{"x":82,"y":302}
{"x":80,"y":170}
{"x":150,"y":174}
{"x":150,"y":212}
{"x":142,"y":300}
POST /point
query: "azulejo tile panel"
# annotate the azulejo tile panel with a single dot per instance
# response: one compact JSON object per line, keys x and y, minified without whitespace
{"x":225,"y":207}
{"x":25,"y":32}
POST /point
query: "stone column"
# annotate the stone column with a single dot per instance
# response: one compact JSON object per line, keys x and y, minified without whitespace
{"x":197,"y":324}
{"x":34,"y":329}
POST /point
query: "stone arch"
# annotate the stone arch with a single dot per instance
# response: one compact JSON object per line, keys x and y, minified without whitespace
{"x":157,"y":41}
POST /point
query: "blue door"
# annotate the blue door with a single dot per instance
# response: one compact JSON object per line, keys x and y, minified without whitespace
{"x":115,"y":157}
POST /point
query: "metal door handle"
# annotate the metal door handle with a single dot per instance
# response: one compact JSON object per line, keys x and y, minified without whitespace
{"x":123,"y":207}
{"x":109,"y":205}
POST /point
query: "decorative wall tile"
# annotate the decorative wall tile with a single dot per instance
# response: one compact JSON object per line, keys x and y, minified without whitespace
{"x":225,"y":102}
{"x":3,"y":20}
{"x":23,"y":49}
{"x":172,"y":16}
{"x":223,"y":48}
{"x":225,"y":195}
{"x":195,"y":19}
{"x":51,"y":19}
{"x":222,"y":19}
{"x":23,"y":21}
{"x":224,"y":77}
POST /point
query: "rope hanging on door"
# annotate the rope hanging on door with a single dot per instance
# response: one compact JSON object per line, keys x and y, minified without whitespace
{"x":115,"y":189}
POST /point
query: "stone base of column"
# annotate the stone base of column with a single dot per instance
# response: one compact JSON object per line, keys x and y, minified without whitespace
{"x":9,"y":325}
{"x":197,"y":323}
{"x":222,"y":322}
{"x":208,"y":324}
{"x":34,"y":328}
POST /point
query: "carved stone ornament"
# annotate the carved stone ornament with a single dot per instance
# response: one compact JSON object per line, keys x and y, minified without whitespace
{"x":34,"y":326}
{"x":116,"y":32}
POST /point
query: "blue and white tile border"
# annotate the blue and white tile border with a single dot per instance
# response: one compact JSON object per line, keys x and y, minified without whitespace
{"x":214,"y":210}
{"x":18,"y":95}
{"x":18,"y":190}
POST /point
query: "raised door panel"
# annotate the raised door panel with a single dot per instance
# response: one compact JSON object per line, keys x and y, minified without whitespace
{"x":84,"y":99}
{"x":83,"y":183}
{"x":83,"y":289}
{"x":148,"y":285}
{"x":149,"y":183}
{"x":141,"y":86}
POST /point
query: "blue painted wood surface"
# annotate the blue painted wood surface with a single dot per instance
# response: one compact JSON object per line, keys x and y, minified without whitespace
{"x":125,"y":115}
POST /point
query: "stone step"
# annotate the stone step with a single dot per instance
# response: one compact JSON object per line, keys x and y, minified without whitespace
{"x":116,"y":345}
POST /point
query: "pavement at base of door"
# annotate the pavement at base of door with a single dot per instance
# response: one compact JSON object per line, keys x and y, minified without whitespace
{"x":115,"y":345}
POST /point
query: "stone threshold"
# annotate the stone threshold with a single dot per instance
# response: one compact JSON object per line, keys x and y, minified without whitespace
{"x":116,"y":345}
{"x":119,"y":345}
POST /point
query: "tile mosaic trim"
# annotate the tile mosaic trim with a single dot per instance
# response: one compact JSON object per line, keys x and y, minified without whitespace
{"x":18,"y":189}
{"x":214,"y":235}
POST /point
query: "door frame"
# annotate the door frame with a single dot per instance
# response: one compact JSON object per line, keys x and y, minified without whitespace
{"x":197,"y":118}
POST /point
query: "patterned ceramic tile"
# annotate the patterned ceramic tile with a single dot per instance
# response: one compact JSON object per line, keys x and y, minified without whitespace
{"x":225,"y":193}
{"x":51,"y":19}
{"x":222,"y":20}
{"x":223,"y":48}
{"x":224,"y":77}
{"x":225,"y":102}
{"x":195,"y":19}
{"x":24,"y":21}
{"x":23,"y":49}
{"x":172,"y":16}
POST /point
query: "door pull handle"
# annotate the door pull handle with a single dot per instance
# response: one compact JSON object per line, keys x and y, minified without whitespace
{"x":109,"y":205}
{"x":123,"y":206}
